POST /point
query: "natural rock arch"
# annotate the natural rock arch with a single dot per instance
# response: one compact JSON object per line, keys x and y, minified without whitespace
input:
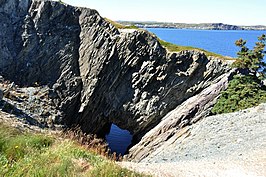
{"x":98,"y":74}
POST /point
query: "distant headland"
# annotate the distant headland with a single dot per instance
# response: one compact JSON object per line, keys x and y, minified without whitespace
{"x":201,"y":26}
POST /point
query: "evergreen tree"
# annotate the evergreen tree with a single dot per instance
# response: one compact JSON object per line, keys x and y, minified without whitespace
{"x":242,"y":92}
{"x":252,"y":59}
{"x":245,"y":91}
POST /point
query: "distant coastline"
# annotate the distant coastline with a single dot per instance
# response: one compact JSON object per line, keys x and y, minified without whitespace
{"x":200,"y":26}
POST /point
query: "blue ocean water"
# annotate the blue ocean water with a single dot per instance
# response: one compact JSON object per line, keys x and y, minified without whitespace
{"x":118,"y":139}
{"x":218,"y":41}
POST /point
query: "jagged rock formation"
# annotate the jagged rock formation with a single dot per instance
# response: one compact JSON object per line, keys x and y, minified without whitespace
{"x":40,"y":43}
{"x":99,"y":75}
{"x":172,"y":125}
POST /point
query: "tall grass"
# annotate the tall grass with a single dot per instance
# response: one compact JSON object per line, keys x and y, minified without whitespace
{"x":27,"y":154}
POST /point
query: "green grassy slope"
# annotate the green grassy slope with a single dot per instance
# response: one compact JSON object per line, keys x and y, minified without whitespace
{"x":27,"y":154}
{"x":177,"y":48}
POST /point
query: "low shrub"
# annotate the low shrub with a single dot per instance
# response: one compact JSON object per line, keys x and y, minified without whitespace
{"x":242,"y":92}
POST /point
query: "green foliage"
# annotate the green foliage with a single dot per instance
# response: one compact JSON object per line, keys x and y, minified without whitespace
{"x":111,"y":170}
{"x":16,"y":147}
{"x":243,"y":92}
{"x":131,"y":27}
{"x":27,"y":154}
{"x":252,"y":59}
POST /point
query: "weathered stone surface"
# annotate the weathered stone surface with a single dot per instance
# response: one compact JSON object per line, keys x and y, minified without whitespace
{"x":98,"y":75}
{"x":39,"y":44}
{"x":31,"y":105}
{"x":1,"y":94}
{"x":169,"y":129}
{"x":212,"y":147}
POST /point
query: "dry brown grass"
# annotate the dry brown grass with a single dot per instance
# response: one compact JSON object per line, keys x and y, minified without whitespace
{"x":90,"y":142}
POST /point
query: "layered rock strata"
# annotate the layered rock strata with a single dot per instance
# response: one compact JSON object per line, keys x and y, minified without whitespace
{"x":98,"y":75}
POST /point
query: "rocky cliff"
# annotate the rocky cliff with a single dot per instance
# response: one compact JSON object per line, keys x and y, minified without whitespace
{"x":98,"y":75}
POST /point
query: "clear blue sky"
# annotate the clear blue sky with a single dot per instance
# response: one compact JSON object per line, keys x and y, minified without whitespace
{"x":238,"y":12}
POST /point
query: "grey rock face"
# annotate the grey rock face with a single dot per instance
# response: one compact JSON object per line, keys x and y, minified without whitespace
{"x":39,"y":44}
{"x":1,"y":94}
{"x":97,"y":74}
{"x":189,"y":112}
